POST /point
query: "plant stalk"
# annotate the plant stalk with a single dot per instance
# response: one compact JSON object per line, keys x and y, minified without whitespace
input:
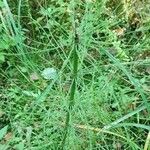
{"x":74,"y":80}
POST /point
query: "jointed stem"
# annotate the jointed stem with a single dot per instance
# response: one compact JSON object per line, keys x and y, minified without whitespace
{"x":74,"y":82}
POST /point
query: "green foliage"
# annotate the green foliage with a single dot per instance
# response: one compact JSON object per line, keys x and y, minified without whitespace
{"x":100,"y":94}
{"x":3,"y":131}
{"x":5,"y":44}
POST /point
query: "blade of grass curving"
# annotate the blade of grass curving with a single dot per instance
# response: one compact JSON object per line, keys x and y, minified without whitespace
{"x":124,"y":118}
{"x":17,"y":35}
{"x":47,"y":90}
{"x":133,"y":81}
{"x":19,"y":13}
{"x":147,"y":143}
{"x":143,"y":126}
{"x":13,"y":26}
{"x":3,"y":23}
{"x":50,"y":40}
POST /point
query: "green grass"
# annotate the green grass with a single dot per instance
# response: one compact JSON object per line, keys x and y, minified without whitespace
{"x":100,"y":98}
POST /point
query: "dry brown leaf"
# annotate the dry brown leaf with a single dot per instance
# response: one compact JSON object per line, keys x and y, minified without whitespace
{"x":66,"y":86}
{"x":85,"y":127}
{"x":117,"y":146}
{"x":36,"y":125}
{"x":119,"y":31}
{"x":34,"y":76}
{"x":8,"y":136}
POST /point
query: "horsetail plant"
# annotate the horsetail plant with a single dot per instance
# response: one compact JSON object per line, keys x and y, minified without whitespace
{"x":75,"y":58}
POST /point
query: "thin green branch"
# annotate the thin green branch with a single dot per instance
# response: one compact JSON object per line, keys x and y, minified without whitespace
{"x":74,"y":80}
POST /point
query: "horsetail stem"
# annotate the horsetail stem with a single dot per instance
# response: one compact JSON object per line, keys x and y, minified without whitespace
{"x":74,"y":78}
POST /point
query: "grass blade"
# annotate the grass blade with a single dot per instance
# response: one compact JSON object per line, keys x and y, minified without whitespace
{"x":3,"y":132}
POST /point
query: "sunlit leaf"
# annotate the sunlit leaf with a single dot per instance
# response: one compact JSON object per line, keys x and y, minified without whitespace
{"x":49,"y":73}
{"x":3,"y":132}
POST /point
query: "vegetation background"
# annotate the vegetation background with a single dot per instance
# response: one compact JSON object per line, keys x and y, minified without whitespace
{"x":98,"y":93}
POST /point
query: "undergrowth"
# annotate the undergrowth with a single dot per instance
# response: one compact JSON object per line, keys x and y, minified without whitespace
{"x":100,"y":96}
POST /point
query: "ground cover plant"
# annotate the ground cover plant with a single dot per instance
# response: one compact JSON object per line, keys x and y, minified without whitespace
{"x":74,"y":75}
